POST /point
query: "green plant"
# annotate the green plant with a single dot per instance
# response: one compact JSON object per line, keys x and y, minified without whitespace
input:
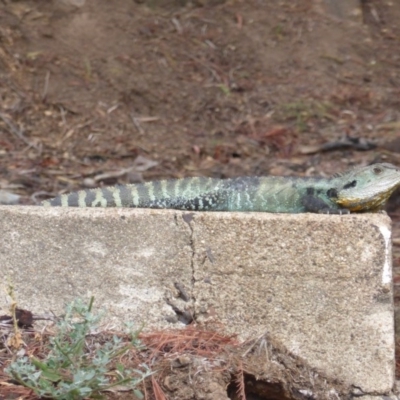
{"x":72,"y":370}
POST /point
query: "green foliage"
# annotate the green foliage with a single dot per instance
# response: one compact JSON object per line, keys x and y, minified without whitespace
{"x":72,"y":370}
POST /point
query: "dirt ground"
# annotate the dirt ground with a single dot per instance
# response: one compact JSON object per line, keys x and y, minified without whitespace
{"x":104,"y":92}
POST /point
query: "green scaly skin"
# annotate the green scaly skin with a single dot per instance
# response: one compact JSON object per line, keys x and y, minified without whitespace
{"x":363,"y":189}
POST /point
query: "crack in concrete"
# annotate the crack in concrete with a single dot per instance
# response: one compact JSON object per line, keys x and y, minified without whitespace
{"x":185,"y":312}
{"x":189,"y":218}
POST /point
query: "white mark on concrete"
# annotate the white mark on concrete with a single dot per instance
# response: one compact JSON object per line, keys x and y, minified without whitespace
{"x":97,"y":248}
{"x":387,"y":270}
{"x":366,"y":254}
{"x":145,"y":253}
{"x":144,"y":295}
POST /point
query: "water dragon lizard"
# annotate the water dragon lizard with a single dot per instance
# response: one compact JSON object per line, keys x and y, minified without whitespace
{"x":362,"y":189}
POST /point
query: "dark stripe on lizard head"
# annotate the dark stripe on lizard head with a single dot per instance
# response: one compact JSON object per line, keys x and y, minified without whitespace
{"x":350,"y":185}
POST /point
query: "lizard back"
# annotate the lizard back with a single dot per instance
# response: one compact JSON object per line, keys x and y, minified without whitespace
{"x":268,"y":194}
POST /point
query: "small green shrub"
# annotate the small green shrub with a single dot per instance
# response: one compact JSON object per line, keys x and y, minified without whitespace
{"x":72,"y":370}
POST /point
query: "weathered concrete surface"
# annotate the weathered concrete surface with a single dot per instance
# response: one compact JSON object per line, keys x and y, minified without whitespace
{"x":317,"y":283}
{"x":127,"y":260}
{"x":321,"y":285}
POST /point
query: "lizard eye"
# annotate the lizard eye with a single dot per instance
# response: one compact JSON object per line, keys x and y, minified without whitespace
{"x":377,"y":170}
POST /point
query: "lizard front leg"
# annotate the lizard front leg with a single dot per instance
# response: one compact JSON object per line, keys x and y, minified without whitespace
{"x":315,"y":204}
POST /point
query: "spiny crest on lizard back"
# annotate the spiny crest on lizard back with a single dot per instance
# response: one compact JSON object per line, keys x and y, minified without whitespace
{"x":366,"y":188}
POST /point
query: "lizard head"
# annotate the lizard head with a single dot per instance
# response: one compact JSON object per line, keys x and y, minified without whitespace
{"x":366,"y":188}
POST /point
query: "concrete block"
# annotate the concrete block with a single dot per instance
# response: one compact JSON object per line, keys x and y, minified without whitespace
{"x":126,"y":260}
{"x":319,"y":284}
